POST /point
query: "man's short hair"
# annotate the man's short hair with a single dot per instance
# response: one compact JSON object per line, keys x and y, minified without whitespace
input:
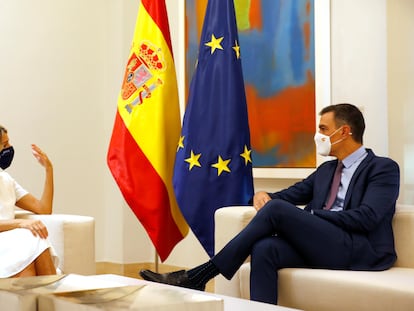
{"x":350,"y":115}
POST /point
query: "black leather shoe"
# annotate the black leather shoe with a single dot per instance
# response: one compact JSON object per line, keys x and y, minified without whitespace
{"x":177,"y":278}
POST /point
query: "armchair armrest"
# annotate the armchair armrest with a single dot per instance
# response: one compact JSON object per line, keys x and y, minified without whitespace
{"x":73,"y":238}
{"x":229,"y":221}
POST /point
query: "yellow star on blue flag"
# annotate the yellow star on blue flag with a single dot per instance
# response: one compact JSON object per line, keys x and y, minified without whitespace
{"x":215,"y":43}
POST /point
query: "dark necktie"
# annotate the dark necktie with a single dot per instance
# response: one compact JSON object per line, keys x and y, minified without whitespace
{"x":335,"y":186}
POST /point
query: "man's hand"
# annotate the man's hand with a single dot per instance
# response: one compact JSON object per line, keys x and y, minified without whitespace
{"x":260,"y":199}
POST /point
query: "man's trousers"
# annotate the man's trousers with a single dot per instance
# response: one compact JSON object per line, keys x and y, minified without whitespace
{"x":282,"y":235}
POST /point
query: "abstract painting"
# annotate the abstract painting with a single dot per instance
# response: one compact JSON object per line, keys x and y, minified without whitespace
{"x":278,"y":58}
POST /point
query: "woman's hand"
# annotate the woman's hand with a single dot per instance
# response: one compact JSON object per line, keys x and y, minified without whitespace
{"x":260,"y":199}
{"x":35,"y":226}
{"x":44,"y":205}
{"x":41,"y":157}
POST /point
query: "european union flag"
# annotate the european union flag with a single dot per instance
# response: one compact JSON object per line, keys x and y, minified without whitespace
{"x":213,"y":166}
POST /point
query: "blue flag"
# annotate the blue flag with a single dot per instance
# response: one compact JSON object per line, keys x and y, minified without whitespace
{"x":213,"y":166}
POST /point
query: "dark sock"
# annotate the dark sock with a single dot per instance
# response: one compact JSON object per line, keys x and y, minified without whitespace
{"x":201,"y":274}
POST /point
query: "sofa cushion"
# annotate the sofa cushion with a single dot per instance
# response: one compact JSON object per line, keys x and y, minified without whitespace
{"x":320,"y":289}
{"x":403,"y":227}
{"x":314,"y":289}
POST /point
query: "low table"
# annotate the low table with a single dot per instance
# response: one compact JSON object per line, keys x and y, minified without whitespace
{"x":230,"y":303}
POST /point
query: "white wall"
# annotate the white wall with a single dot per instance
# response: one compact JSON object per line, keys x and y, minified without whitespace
{"x":62,"y":64}
{"x":56,"y":91}
{"x":359,"y":64}
{"x":401,"y":91}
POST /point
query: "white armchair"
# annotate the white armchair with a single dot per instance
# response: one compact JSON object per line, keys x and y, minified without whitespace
{"x":73,"y":238}
{"x":392,"y":289}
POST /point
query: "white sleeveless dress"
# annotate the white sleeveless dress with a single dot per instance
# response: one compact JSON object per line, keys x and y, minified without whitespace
{"x":18,"y":247}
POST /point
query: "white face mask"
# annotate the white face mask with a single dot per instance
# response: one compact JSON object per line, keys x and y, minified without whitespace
{"x":323,"y":143}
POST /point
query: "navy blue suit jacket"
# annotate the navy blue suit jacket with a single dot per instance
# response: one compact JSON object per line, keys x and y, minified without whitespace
{"x":368,"y":208}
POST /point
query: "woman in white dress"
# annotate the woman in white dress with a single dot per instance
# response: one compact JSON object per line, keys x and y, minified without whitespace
{"x":24,"y":247}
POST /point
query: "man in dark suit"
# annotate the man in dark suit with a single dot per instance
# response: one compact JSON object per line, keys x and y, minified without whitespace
{"x":350,"y":229}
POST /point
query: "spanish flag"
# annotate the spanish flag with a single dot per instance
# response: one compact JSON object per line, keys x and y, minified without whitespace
{"x":147,"y":128}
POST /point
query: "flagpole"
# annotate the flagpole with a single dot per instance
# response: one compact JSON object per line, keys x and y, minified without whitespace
{"x":156,"y":262}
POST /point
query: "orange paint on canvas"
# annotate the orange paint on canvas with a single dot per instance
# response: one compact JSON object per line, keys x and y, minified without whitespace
{"x":255,"y":16}
{"x":283,"y":120}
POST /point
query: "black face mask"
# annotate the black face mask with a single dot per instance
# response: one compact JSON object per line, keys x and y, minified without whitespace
{"x":6,"y":157}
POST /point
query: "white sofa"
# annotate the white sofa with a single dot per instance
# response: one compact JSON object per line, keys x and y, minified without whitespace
{"x":319,"y":289}
{"x":73,"y":238}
